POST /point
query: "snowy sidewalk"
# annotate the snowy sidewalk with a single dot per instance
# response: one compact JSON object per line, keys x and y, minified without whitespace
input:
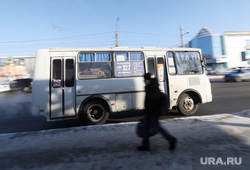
{"x":222,"y":140}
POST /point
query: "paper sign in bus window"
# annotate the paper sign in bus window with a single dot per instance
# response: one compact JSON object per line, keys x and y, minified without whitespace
{"x":127,"y":69}
{"x":56,"y":83}
{"x":120,"y":58}
{"x":160,"y":71}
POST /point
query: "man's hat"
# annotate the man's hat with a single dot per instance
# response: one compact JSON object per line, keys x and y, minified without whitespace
{"x":147,"y":76}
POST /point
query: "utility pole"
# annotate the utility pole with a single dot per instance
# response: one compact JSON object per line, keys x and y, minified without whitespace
{"x":116,"y":33}
{"x":182,"y":37}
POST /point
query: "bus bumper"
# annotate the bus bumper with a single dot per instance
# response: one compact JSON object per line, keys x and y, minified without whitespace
{"x":209,"y":98}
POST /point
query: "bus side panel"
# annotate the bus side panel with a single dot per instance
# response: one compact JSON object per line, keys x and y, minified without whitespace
{"x":138,"y":100}
{"x":122,"y":93}
{"x":181,"y":83}
{"x":208,"y":91}
{"x":202,"y":85}
{"x":132,"y":96}
{"x":176,"y":85}
{"x":123,"y":101}
{"x":40,"y":89}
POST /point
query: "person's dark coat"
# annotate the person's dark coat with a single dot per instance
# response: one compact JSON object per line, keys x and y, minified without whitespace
{"x":153,"y":100}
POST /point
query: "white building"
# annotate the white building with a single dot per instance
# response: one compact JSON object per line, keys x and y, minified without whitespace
{"x":237,"y":46}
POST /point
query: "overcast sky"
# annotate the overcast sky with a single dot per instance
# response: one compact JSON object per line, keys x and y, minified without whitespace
{"x":28,"y":25}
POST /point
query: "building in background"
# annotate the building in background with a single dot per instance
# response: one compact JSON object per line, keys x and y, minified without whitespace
{"x":12,"y":67}
{"x":213,"y":48}
{"x":237,"y":45}
{"x":230,"y":50}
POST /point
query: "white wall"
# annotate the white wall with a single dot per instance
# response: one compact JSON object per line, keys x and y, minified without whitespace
{"x":235,"y":45}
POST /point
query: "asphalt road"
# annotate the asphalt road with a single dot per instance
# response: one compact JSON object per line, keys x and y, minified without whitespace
{"x":228,"y":97}
{"x":15,"y":114}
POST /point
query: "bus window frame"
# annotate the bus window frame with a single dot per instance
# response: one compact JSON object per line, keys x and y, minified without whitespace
{"x":94,"y":52}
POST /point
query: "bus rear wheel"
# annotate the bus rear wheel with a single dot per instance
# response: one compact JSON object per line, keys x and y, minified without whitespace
{"x":94,"y":113}
{"x":187,"y":105}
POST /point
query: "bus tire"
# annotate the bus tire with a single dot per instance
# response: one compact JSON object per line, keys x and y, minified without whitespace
{"x":94,"y":113}
{"x":187,"y":105}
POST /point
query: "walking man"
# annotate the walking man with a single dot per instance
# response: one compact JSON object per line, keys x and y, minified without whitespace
{"x":153,"y":105}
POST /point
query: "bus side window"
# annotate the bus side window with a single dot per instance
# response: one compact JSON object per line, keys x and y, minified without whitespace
{"x":57,"y":69}
{"x":94,"y":66}
{"x":57,"y":73}
{"x":151,"y":66}
{"x":69,"y":81}
{"x":171,"y":63}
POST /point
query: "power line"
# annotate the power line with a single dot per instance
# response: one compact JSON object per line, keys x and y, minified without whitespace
{"x":54,"y":26}
{"x":153,"y":34}
{"x":61,"y":38}
{"x":87,"y":35}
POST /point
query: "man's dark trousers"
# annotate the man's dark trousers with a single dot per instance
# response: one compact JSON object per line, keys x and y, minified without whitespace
{"x":153,"y":121}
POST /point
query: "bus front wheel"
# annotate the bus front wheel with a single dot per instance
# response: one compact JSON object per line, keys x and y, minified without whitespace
{"x":94,"y":113}
{"x":187,"y":105}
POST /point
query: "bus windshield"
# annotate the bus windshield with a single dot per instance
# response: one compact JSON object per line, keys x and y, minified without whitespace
{"x":188,"y":63}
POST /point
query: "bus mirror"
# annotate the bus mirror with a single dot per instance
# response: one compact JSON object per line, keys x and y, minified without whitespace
{"x":204,"y":63}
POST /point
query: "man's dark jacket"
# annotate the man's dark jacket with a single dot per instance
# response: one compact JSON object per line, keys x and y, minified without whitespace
{"x":153,"y":100}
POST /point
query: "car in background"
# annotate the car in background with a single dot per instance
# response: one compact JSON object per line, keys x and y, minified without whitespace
{"x":238,"y":75}
{"x":4,"y":86}
{"x":22,"y":84}
{"x":211,"y":71}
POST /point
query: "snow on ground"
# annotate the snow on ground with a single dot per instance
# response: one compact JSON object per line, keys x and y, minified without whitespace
{"x":222,"y":140}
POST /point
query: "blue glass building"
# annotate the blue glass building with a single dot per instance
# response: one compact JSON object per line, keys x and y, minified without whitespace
{"x":212,"y":46}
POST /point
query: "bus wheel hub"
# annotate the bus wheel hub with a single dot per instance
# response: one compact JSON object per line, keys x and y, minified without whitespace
{"x":188,"y":104}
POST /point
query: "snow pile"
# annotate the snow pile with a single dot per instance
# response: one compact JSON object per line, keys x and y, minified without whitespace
{"x":114,"y":146}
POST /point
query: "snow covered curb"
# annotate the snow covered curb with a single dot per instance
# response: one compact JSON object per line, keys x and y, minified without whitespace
{"x":114,"y":146}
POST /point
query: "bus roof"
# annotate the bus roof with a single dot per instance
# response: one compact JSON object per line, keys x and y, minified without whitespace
{"x":114,"y":49}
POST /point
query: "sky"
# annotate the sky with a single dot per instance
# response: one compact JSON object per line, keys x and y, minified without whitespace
{"x":29,"y":25}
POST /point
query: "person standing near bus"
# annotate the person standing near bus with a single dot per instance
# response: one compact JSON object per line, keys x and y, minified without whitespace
{"x":153,"y":105}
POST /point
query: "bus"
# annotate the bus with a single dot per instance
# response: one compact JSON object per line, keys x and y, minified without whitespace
{"x":90,"y":83}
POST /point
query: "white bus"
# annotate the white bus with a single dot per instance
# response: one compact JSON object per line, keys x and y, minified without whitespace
{"x":89,"y":83}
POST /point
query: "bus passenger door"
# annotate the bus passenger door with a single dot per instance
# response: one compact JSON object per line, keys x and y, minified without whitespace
{"x":156,"y":66}
{"x":62,"y":87}
{"x":174,"y":81}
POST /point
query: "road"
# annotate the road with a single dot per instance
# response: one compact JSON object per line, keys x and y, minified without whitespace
{"x":15,"y":114}
{"x":228,"y":97}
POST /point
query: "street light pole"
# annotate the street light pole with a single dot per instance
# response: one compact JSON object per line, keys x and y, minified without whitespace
{"x":182,"y":36}
{"x":116,"y":33}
